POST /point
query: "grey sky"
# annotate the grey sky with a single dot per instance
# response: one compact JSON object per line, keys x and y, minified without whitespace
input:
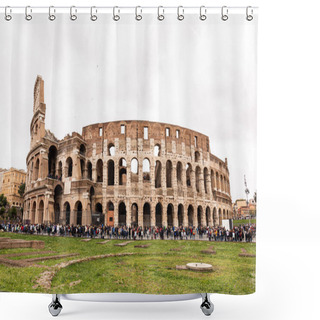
{"x":201,"y":75}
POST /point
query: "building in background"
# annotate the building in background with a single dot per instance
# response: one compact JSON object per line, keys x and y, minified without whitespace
{"x":9,"y":185}
{"x":242,"y":211}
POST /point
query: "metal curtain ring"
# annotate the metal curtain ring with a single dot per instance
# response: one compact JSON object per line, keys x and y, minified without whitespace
{"x":138,"y":16}
{"x":27,"y":13}
{"x":73,"y":16}
{"x":180,"y":13}
{"x":160,"y":16}
{"x":249,"y":16}
{"x":7,"y":16}
{"x":116,"y":17}
{"x":51,"y":15}
{"x":203,"y":13}
{"x":93,"y":17}
{"x":224,"y":13}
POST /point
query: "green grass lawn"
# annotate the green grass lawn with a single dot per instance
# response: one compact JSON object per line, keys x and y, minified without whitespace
{"x":150,"y":270}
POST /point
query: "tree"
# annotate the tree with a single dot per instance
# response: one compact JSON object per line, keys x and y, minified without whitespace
{"x":12,"y":213}
{"x":22,"y":188}
{"x":3,"y":201}
{"x":2,"y":211}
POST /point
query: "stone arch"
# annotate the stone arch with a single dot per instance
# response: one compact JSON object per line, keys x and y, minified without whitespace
{"x":205,"y":178}
{"x":220,"y":217}
{"x":122,"y":214}
{"x":110,"y":214}
{"x":156,"y":150}
{"x":111,"y":149}
{"x":208,"y":217}
{"x":110,"y":173}
{"x":197,"y":156}
{"x":179,"y":173}
{"x":199,"y":216}
{"x":122,"y":171}
{"x":180,"y":215}
{"x":69,"y":165}
{"x":82,"y":149}
{"x":89,"y":170}
{"x":188,"y":174}
{"x":159,"y":214}
{"x":146,"y":170}
{"x":67,"y":210}
{"x":97,"y":217}
{"x":134,"y":168}
{"x":169,"y":174}
{"x":52,"y":159}
{"x":157,"y":174}
{"x":99,"y":170}
{"x":170,"y":212}
{"x":224,"y":214}
{"x":36,"y":170}
{"x":33,"y":213}
{"x":40,"y":212}
{"x":58,"y":193}
{"x":198,"y":172}
{"x":221,"y":183}
{"x":190,"y":216}
{"x":78,"y":209}
{"x":82,"y":168}
{"x":212,"y":181}
{"x":217,"y":181}
{"x":146,"y":215}
{"x":134,"y":215}
{"x":215,"y":217}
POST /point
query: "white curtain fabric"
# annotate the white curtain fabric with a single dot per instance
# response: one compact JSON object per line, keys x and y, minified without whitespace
{"x":192,"y":73}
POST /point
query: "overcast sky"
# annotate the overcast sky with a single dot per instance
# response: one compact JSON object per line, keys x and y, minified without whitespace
{"x":200,"y":75}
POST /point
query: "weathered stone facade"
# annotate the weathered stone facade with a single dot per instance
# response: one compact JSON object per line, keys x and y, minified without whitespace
{"x":123,"y":173}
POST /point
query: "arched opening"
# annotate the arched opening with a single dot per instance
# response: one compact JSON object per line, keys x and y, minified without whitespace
{"x":215,"y":218}
{"x":110,"y":214}
{"x":111,"y":149}
{"x":36,"y":170}
{"x":179,"y":173}
{"x":146,"y":170}
{"x":89,"y":170}
{"x":33,"y":213}
{"x":31,"y":173}
{"x":196,"y":156}
{"x":170,"y":215}
{"x":188,"y":174}
{"x":224,"y":214}
{"x":110,"y":173}
{"x":190,"y":216}
{"x":169,"y":174}
{"x":97,"y":216}
{"x":221,"y":183}
{"x":99,"y":171}
{"x":58,"y":192}
{"x":82,"y":168}
{"x":180,"y":215}
{"x":122,"y":214}
{"x":198,"y":171}
{"x":157,"y":174}
{"x":146,"y":215}
{"x":67,"y":210}
{"x":60,"y":170}
{"x":69,"y":167}
{"x":212,"y":181}
{"x":40,"y":212}
{"x":159,"y":215}
{"x":52,"y":159}
{"x":134,"y":215}
{"x":205,"y":178}
{"x":134,"y":167}
{"x":156,"y":151}
{"x":208,"y":220}
{"x":220,"y":217}
{"x":82,"y":149}
{"x":217,"y":181}
{"x":199,"y":216}
{"x":78,"y":210}
{"x":122,"y":172}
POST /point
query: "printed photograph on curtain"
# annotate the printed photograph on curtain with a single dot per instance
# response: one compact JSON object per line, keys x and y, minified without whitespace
{"x":128,"y":153}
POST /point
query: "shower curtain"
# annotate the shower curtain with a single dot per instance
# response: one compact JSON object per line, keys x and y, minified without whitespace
{"x":128,"y":150}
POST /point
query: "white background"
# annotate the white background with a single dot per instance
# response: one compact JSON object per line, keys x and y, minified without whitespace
{"x":288,"y":178}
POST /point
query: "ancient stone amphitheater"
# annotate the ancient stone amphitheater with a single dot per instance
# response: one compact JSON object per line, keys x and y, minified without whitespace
{"x":134,"y":173}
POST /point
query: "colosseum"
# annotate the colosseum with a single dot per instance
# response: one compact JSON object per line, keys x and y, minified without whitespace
{"x":133,"y":173}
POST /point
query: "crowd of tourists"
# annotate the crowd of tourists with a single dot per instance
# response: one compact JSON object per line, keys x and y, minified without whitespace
{"x":236,"y":234}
